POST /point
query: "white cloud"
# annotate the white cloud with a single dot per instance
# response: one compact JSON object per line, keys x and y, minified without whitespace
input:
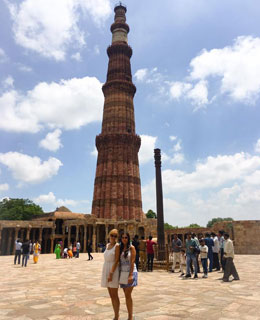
{"x":69,"y":104}
{"x":257,"y":146}
{"x":94,"y":152}
{"x":178,"y":89}
{"x":237,"y":66}
{"x":221,"y":186}
{"x":199,"y":94}
{"x":50,"y":198}
{"x":141,"y":74}
{"x":52,"y":141}
{"x":3,"y":56}
{"x":29,"y":169}
{"x":173,"y":138}
{"x":76,"y":56}
{"x":146,"y":152}
{"x":178,"y":158}
{"x":177,"y":146}
{"x":8,"y":82}
{"x":50,"y":27}
{"x":211,"y":173}
{"x":4,"y":187}
{"x":24,"y":68}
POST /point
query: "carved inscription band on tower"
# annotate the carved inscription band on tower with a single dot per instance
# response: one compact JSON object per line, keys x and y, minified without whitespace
{"x":117,"y":191}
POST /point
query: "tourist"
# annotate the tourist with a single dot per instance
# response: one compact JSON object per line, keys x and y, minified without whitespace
{"x":142,"y":252}
{"x":215,"y":250}
{"x":182,"y":262}
{"x":74,"y":250}
{"x":57,"y":250}
{"x":176,"y":250}
{"x":110,"y":272}
{"x":230,"y":268}
{"x":204,"y":257}
{"x":78,"y":249}
{"x":70,"y":254}
{"x":128,"y":271}
{"x":65,"y":253}
{"x":194,"y":237}
{"x":30,"y":249}
{"x":221,"y":247}
{"x":18,"y":251}
{"x":89,"y":250}
{"x":191,"y":256}
{"x":210,"y":244}
{"x":136,"y":244}
{"x":25,"y":250}
{"x":36,"y":251}
{"x":150,"y":253}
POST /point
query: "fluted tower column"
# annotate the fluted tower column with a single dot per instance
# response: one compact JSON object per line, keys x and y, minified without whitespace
{"x":117,"y":191}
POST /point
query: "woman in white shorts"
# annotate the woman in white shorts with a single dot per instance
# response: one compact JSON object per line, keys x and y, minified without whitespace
{"x":110,"y":273}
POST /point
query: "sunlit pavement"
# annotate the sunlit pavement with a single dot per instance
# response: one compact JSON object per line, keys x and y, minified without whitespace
{"x":70,"y":289}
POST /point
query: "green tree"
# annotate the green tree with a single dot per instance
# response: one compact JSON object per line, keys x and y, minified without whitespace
{"x":214,"y":220}
{"x":194,"y":225}
{"x":151,"y":214}
{"x":18,"y":209}
{"x":168,"y":226}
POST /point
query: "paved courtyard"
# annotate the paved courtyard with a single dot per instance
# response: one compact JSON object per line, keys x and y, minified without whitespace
{"x":70,"y":289}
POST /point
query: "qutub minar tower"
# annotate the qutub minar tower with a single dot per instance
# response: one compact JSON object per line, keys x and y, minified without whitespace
{"x":117,"y":191}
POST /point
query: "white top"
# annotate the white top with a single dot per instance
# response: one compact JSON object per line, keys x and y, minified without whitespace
{"x":229,"y":249}
{"x":109,"y":260}
{"x":18,"y":245}
{"x":204,"y":252}
{"x":215,"y":249}
{"x":65,"y":250}
{"x":78,"y":245}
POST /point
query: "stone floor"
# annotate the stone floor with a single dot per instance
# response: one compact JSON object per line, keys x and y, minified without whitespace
{"x":70,"y":289}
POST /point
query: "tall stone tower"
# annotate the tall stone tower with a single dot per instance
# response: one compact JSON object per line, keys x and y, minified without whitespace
{"x":117,"y":191}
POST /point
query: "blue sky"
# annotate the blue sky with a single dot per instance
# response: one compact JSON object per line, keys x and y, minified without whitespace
{"x":197,"y":71}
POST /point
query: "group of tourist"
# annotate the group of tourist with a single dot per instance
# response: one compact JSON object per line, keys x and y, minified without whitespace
{"x":72,"y":250}
{"x":24,"y":249}
{"x":214,"y":252}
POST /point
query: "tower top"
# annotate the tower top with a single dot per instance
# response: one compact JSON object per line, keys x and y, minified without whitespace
{"x":120,"y":5}
{"x":119,"y":28}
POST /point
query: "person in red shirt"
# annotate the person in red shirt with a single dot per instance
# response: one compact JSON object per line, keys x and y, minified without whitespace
{"x":150,"y":253}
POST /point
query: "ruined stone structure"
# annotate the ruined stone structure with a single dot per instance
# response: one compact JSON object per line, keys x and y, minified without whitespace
{"x":68,"y":227}
{"x":117,"y":191}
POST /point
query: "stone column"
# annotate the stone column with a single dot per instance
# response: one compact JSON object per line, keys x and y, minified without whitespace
{"x":159,"y":204}
{"x":94,"y":242}
{"x":15,"y":238}
{"x":52,"y":238}
{"x":69,"y":236}
{"x":40,"y":235}
{"x":106,"y":233}
{"x":97,"y":232}
{"x":77,"y":233}
{"x":89,"y":232}
{"x":125,"y":228}
{"x":85,"y":239}
{"x":28,"y":233}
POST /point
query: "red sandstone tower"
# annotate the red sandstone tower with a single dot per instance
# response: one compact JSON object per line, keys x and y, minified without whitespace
{"x":117,"y":191}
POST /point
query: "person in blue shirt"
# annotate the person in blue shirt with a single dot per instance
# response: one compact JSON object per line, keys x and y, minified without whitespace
{"x":209,"y":243}
{"x":191,"y":255}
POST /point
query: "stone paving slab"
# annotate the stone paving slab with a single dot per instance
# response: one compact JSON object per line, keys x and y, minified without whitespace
{"x":70,"y":289}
